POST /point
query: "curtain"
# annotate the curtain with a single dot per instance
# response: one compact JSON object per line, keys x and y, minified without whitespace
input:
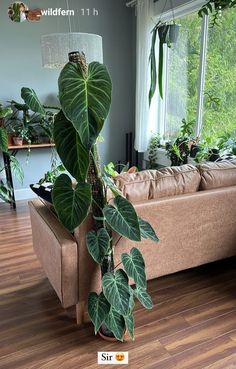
{"x":145,"y":116}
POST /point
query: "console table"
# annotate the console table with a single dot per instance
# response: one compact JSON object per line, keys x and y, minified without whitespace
{"x":13,"y":149}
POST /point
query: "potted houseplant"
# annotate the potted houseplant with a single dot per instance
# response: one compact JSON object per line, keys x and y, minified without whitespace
{"x":180,"y":149}
{"x":85,"y":97}
{"x":168,"y":34}
{"x":154,"y":143}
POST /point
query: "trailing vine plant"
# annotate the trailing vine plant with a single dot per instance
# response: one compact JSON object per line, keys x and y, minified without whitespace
{"x":85,"y":97}
{"x":215,"y":7}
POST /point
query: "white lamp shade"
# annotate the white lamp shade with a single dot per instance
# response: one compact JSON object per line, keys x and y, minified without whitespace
{"x":57,"y":46}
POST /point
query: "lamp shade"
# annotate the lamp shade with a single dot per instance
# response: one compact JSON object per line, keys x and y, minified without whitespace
{"x":57,"y":46}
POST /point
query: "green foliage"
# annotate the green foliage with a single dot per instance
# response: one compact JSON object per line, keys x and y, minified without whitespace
{"x":123,"y":218}
{"x":129,"y":322}
{"x":16,"y":168}
{"x":70,"y":149}
{"x":135,"y":267}
{"x":51,"y":175}
{"x":85,"y":96}
{"x":98,"y":309}
{"x":32,"y":101}
{"x":3,"y":140}
{"x":98,"y":244}
{"x":115,"y":322}
{"x":143,"y":297}
{"x":116,"y":290}
{"x":154,"y":143}
{"x":214,"y":8}
{"x":147,"y":231}
{"x":71,"y":204}
{"x":85,"y":99}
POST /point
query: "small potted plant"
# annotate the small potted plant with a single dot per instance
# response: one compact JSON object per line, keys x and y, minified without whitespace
{"x":179,"y":151}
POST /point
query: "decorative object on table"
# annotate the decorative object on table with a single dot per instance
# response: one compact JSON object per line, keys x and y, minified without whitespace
{"x":76,"y":130}
{"x":216,"y":8}
{"x":44,"y":186}
{"x":179,"y":150}
{"x":154,"y":143}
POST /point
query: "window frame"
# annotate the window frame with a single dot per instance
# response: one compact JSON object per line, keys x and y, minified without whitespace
{"x":181,"y":11}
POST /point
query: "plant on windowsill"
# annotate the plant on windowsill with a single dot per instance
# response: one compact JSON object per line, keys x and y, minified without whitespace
{"x":154,"y":143}
{"x":215,"y":7}
{"x":179,"y":151}
{"x":168,"y":34}
{"x":85,"y":97}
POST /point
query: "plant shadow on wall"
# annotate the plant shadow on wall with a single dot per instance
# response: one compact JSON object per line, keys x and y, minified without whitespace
{"x":85,"y":97}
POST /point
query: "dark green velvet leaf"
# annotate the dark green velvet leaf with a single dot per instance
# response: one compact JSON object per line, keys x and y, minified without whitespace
{"x":72,"y":205}
{"x":123,"y":218}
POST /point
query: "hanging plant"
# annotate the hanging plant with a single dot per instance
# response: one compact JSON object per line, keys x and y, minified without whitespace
{"x":168,"y":34}
{"x":215,"y":8}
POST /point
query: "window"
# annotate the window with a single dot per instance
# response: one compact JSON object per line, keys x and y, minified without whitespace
{"x":200,"y":78}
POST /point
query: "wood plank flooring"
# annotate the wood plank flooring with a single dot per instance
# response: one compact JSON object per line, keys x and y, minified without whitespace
{"x":192,"y":325}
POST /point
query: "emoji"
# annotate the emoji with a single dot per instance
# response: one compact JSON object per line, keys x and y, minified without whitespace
{"x":120,"y":356}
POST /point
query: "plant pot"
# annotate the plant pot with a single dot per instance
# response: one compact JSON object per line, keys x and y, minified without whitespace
{"x":173,"y":33}
{"x":18,"y":141}
{"x":168,"y":33}
{"x":106,"y":334}
{"x":10,"y":139}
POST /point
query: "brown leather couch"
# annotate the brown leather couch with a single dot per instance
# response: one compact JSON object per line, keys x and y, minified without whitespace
{"x":192,"y":209}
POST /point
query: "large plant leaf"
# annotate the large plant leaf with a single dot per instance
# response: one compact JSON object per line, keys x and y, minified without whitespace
{"x":17,"y":169}
{"x":31,"y":99}
{"x":147,"y":231}
{"x":85,"y":100}
{"x":153,"y":67}
{"x":70,"y":149}
{"x":115,"y":322}
{"x":123,"y":218}
{"x":129,"y":322}
{"x":5,"y":112}
{"x":116,"y":290}
{"x":98,"y":309}
{"x":5,"y":192}
{"x":3,"y":140}
{"x":72,"y":205}
{"x":98,"y":244}
{"x":135,"y":267}
{"x":143,"y":297}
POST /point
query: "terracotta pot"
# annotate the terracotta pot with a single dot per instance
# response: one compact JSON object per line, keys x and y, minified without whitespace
{"x":18,"y":141}
{"x":10,"y":139}
{"x":109,"y":338}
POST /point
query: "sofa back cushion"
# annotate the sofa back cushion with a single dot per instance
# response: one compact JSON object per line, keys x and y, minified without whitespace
{"x":216,"y":175}
{"x":153,"y":184}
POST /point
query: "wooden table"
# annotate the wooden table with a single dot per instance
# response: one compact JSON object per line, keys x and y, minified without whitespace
{"x":7,"y":164}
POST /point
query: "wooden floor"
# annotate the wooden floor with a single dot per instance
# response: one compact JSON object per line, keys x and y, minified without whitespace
{"x":192,"y":326}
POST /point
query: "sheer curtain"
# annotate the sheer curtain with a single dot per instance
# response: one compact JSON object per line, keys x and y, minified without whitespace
{"x":145,"y":117}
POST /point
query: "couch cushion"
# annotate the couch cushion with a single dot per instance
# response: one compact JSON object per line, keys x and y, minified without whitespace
{"x":152,"y":184}
{"x":216,"y":175}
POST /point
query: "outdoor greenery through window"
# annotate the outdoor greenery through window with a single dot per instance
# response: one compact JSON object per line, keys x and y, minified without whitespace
{"x":183,"y":61}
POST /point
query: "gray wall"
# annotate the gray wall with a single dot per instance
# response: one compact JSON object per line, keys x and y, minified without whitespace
{"x":20,"y":65}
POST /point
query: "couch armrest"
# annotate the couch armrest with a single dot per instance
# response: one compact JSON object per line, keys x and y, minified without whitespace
{"x":56,"y":250}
